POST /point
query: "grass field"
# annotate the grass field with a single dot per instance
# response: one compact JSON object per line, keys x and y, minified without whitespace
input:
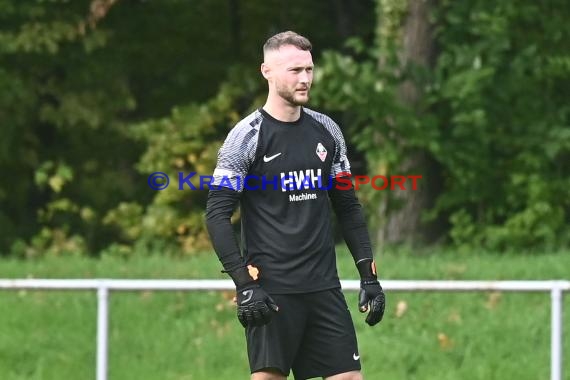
{"x":182,"y":336}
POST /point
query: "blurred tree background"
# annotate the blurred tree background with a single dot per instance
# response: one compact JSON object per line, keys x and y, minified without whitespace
{"x":96,"y":95}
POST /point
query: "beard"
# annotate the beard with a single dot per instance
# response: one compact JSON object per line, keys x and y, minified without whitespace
{"x":292,"y":96}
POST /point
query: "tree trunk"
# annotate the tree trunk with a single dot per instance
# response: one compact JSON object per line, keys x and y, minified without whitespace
{"x":402,"y":210}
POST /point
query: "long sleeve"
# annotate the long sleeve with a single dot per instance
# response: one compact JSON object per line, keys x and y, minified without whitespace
{"x":352,"y":223}
{"x":234,"y":159}
{"x":220,"y":206}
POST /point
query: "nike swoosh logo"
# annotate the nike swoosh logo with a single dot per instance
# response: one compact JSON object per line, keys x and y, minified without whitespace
{"x":355,"y":357}
{"x":267,"y":159}
{"x":248,"y":294}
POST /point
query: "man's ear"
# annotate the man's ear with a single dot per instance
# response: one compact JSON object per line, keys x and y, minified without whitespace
{"x":265,"y":71}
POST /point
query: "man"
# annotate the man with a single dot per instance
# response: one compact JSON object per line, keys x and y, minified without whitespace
{"x":274,"y":163}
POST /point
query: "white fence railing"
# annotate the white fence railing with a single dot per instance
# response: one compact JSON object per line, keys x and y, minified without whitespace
{"x":104,"y":286}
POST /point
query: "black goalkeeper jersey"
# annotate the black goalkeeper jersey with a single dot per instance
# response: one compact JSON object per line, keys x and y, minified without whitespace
{"x":283,"y":170}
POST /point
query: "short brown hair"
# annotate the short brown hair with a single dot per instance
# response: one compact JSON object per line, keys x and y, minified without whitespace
{"x":287,"y":38}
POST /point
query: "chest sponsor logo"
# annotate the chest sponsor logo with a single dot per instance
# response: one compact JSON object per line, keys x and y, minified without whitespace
{"x":302,"y":179}
{"x":321,"y":152}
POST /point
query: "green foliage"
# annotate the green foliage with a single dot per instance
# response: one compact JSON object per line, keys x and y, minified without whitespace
{"x":97,"y":95}
{"x":504,"y":119}
{"x":93,"y":94}
{"x":47,"y":115}
{"x":494,"y":114}
{"x":183,"y":143}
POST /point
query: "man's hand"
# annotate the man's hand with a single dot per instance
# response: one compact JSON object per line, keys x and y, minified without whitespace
{"x":254,"y":306}
{"x":371,"y":297}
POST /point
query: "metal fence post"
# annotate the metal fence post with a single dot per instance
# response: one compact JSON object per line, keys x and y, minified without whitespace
{"x":102,"y":330}
{"x":556,"y":331}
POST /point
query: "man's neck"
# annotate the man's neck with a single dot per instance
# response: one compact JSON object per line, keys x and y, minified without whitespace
{"x":282,"y":111}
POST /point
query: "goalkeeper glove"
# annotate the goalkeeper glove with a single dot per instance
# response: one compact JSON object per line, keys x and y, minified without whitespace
{"x":371,"y":296}
{"x":254,"y":306}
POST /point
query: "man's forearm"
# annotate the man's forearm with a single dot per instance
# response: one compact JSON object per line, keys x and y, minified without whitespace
{"x":352,"y":223}
{"x":220,"y":206}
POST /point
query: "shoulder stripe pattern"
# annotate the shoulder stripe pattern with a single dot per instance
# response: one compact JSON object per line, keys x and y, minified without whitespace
{"x":238,"y":153}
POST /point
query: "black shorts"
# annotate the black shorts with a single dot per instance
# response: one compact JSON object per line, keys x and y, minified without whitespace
{"x":312,"y":334}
